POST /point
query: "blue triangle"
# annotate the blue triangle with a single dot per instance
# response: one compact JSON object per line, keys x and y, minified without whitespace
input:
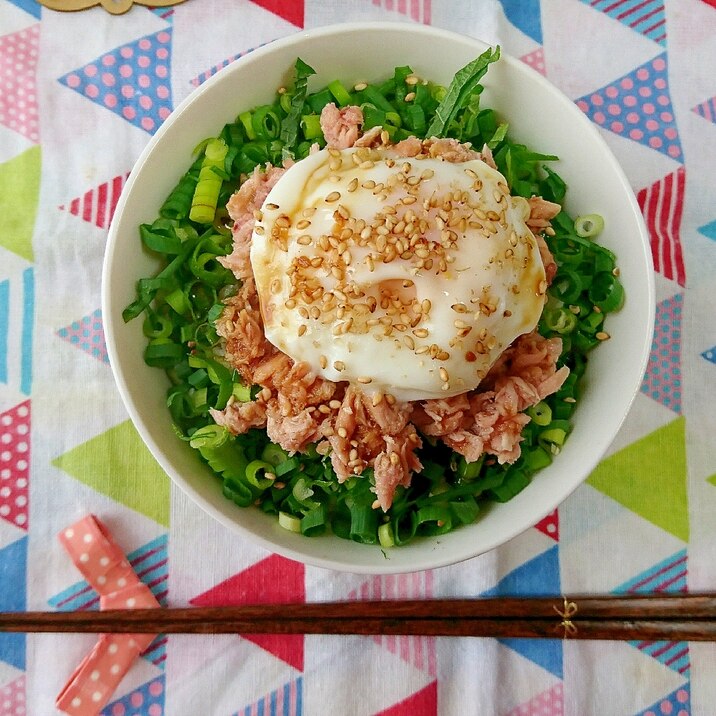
{"x":709,"y":230}
{"x":679,"y":700}
{"x":142,"y":701}
{"x":13,"y":565}
{"x":525,"y":16}
{"x":537,"y":577}
{"x":30,"y":6}
{"x":290,"y":696}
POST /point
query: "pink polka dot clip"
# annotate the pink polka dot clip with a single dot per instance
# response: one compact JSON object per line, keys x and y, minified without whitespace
{"x":103,"y":564}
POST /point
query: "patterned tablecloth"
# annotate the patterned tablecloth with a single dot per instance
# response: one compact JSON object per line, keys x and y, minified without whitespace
{"x":80,"y":95}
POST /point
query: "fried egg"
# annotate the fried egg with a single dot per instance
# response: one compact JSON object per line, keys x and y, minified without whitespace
{"x":404,"y":276}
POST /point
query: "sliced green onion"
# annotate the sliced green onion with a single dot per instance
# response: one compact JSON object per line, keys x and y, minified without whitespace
{"x":541,"y":413}
{"x":311,"y":126}
{"x":385,"y":535}
{"x":206,"y":194}
{"x":589,"y":225}
{"x":289,"y":522}
{"x":340,"y":93}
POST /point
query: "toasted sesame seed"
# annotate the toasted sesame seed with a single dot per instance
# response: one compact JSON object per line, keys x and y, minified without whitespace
{"x":339,"y":365}
{"x":616,"y":271}
{"x":304,"y":240}
{"x":445,"y":386}
{"x":333,"y":196}
{"x":444,"y":375}
{"x":602,"y":336}
{"x":324,"y":409}
{"x":421,"y":332}
{"x":377,"y":398}
{"x":273,"y":207}
{"x":303,"y":224}
{"x":342,"y":433}
{"x":411,"y":80}
{"x":360,"y":86}
{"x":323,"y":361}
{"x":364,"y":379}
{"x":569,"y":399}
{"x":390,"y":398}
{"x":290,"y":303}
{"x":394,"y":459}
{"x":410,"y":96}
{"x":367,"y":164}
{"x":353,"y":184}
{"x":301,"y":329}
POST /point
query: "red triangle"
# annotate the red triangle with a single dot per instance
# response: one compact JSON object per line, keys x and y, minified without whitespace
{"x":97,"y":205}
{"x":663,"y":205}
{"x":290,"y":11}
{"x":550,"y":525}
{"x":421,"y":703}
{"x":15,"y":465}
{"x":274,"y":580}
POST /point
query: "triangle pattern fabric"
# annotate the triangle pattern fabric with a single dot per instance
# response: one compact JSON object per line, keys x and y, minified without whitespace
{"x":669,"y":575}
{"x":15,"y":465}
{"x":648,"y":477}
{"x":12,"y":698}
{"x":663,"y":206}
{"x":549,"y":525}
{"x":19,"y":194}
{"x":166,"y":13}
{"x":419,"y":651}
{"x":292,"y":12}
{"x":535,"y":60}
{"x":31,"y":7}
{"x":273,"y":580}
{"x":418,"y":10}
{"x":538,"y":576}
{"x":87,"y":334}
{"x":548,"y":703}
{"x":525,"y":16}
{"x":709,"y":230}
{"x":662,"y":380}
{"x":151,"y":564}
{"x":678,"y":702}
{"x":287,"y":701}
{"x":18,"y":92}
{"x":147,"y":700}
{"x":647,"y":17}
{"x":97,"y":205}
{"x":707,"y":109}
{"x":13,"y":571}
{"x":710,"y":355}
{"x":133,"y":81}
{"x":17,"y":364}
{"x":204,"y":76}
{"x":638,"y":106}
{"x":421,"y":703}
{"x":92,"y":462}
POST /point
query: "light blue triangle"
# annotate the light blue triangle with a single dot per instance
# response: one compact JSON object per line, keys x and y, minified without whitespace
{"x":13,"y":598}
{"x":536,"y":577}
{"x":525,"y":16}
{"x":709,"y":230}
{"x":30,"y":6}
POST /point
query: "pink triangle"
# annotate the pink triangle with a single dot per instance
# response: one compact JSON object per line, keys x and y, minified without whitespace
{"x":12,"y":698}
{"x":87,"y":334}
{"x":535,"y":60}
{"x":418,"y":10}
{"x":15,"y":464}
{"x":421,"y":703}
{"x":550,"y":525}
{"x":289,"y":11}
{"x":274,"y":580}
{"x":548,"y":703}
{"x":663,"y":206}
{"x":97,"y":205}
{"x":18,"y":92}
{"x":418,"y":651}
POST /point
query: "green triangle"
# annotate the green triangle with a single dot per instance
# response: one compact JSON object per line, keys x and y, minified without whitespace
{"x":649,"y":478}
{"x":711,"y":479}
{"x":19,"y":193}
{"x":119,"y":465}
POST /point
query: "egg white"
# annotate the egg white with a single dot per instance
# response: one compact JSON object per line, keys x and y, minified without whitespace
{"x":427,"y":323}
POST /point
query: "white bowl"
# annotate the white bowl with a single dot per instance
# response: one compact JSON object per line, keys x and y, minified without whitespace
{"x":540,"y":116}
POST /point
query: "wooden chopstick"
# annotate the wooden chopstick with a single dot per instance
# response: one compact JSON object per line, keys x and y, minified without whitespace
{"x":673,"y":618}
